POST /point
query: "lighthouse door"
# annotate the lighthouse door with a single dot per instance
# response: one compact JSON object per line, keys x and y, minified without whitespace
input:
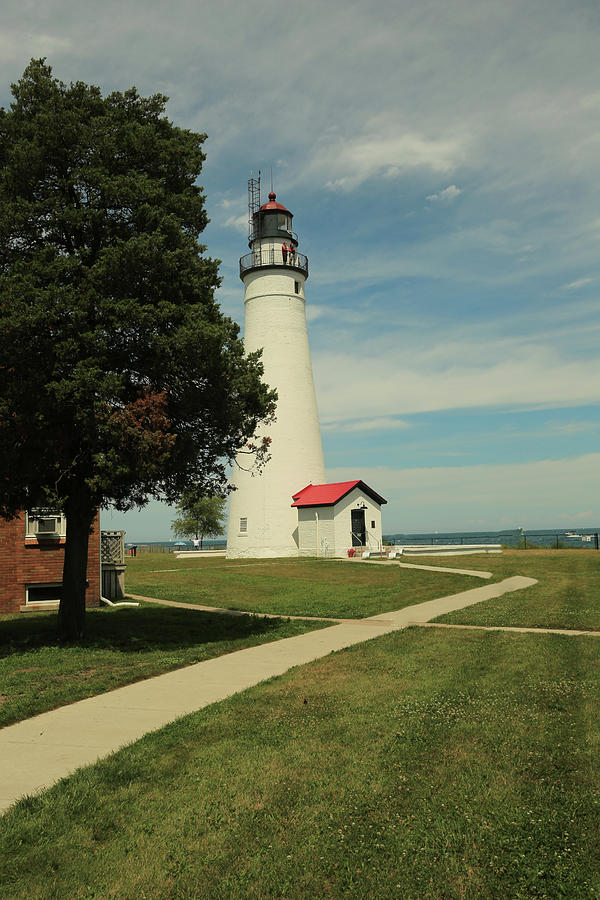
{"x":359,"y":532}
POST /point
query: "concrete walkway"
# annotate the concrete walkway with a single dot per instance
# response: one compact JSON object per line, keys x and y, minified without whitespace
{"x":476,"y":573}
{"x":35,"y":753}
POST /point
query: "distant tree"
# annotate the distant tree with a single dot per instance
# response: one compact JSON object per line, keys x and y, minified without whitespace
{"x":120,"y":378}
{"x":199,"y":517}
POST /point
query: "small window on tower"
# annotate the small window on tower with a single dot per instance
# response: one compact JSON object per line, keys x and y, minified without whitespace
{"x":297,"y":287}
{"x":372,"y":523}
{"x":244,"y":525}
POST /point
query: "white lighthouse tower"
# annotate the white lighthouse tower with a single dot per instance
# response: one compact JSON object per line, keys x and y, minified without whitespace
{"x":262,"y":522}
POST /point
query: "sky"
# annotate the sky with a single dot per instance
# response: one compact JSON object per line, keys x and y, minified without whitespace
{"x":442,"y":161}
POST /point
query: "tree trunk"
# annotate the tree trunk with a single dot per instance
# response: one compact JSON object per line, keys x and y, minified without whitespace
{"x":80,"y":512}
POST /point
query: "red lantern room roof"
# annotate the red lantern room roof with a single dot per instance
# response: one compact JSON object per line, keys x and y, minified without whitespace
{"x":272,"y":205}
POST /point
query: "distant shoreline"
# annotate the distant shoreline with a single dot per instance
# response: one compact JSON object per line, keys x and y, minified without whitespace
{"x":543,"y":537}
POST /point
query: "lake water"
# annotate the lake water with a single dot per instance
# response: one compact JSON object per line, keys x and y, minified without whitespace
{"x":168,"y":546}
{"x":577,"y":538}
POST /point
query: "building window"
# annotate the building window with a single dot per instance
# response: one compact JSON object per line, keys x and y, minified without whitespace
{"x":43,"y":593}
{"x":45,"y":522}
{"x":372,"y":523}
{"x":297,"y":287}
{"x":244,"y":525}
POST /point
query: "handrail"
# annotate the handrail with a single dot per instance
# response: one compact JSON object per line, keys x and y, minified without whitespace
{"x":266,"y":257}
{"x":358,"y":537}
{"x":370,"y":541}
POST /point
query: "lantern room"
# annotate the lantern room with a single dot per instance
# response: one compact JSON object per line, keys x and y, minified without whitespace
{"x":272,"y":220}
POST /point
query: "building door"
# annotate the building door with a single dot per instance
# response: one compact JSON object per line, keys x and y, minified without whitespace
{"x":359,"y":532}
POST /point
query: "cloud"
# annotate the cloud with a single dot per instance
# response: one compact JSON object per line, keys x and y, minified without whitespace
{"x":447,"y":195}
{"x":314,"y":311}
{"x":381,"y":423}
{"x":385,"y":151}
{"x":562,"y":429}
{"x":541,"y":494}
{"x":414,"y":360}
{"x":573,"y":285}
{"x":411,"y":377}
{"x":586,"y":515}
{"x":21,"y":45}
{"x":349,"y":315}
{"x":479,"y":251}
{"x":238,"y":223}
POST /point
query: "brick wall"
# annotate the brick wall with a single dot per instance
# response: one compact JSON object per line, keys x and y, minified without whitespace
{"x":25,"y":561}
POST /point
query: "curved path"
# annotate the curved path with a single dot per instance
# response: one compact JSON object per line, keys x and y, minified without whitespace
{"x":35,"y":753}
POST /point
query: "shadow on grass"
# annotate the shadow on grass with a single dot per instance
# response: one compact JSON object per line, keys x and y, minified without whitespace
{"x":134,"y":630}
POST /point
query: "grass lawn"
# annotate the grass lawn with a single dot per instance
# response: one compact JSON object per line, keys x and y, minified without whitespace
{"x":289,"y":587}
{"x":423,"y":764}
{"x":122,"y":646}
{"x":567,"y":596}
{"x":131,"y":644}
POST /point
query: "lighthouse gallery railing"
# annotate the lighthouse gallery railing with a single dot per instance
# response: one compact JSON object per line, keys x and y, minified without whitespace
{"x":271,"y":256}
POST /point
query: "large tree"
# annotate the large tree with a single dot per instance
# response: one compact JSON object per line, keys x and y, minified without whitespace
{"x":199,"y":516}
{"x":120,"y":378}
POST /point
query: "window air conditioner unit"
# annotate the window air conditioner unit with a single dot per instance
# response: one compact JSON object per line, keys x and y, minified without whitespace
{"x":47,"y":525}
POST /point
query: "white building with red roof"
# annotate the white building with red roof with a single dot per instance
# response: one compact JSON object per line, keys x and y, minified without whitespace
{"x":334,"y":518}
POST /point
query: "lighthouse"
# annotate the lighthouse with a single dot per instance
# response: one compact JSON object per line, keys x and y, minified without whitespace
{"x":262,"y":521}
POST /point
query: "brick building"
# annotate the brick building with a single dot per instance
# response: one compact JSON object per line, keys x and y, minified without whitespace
{"x":32,"y":550}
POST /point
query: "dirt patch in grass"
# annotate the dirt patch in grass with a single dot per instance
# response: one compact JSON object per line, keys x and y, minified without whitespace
{"x":26,"y":669}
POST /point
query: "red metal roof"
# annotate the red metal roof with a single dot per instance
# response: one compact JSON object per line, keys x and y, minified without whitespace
{"x":272,"y":205}
{"x":328,"y":494}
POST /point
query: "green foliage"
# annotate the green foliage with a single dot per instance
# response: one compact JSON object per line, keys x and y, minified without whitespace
{"x":117,"y":363}
{"x":121,"y":378}
{"x":200,"y":516}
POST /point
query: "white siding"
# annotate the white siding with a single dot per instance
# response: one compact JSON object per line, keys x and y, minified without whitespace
{"x":327,"y":531}
{"x":343,"y":529}
{"x":276,"y":322}
{"x":316,"y":531}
